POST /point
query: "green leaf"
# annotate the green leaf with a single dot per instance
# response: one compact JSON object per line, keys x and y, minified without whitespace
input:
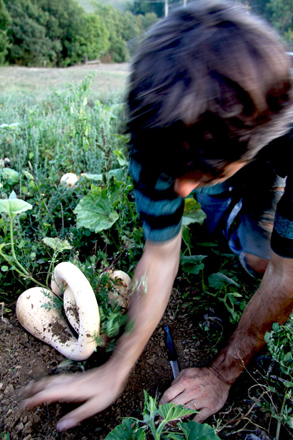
{"x":150,"y":407}
{"x":94,"y":212}
{"x":118,"y":173}
{"x":288,"y":384}
{"x":192,"y":264}
{"x":56,"y":244}
{"x":219,"y":280}
{"x":289,"y":422}
{"x":170,"y":412}
{"x":172,"y":436}
{"x":11,"y":176}
{"x":126,"y":432}
{"x":12,"y":207}
{"x":192,"y":212}
{"x":196,"y":431}
{"x":120,"y":157}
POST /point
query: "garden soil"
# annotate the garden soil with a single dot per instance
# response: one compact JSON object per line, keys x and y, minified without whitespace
{"x":24,"y":358}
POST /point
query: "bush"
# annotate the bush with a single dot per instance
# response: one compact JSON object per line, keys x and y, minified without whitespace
{"x":54,"y":33}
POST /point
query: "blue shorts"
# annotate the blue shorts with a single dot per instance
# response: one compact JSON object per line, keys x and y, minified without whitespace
{"x":243,"y":209}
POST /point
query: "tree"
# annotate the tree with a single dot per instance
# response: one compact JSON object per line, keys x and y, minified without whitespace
{"x":280,"y":14}
{"x":29,"y":44}
{"x":147,"y":20}
{"x":5,"y":22}
{"x":96,"y":37}
{"x":122,"y":27}
{"x":141,"y":7}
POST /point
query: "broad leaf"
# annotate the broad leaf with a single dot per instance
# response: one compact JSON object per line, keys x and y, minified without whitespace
{"x":192,"y":212}
{"x":196,"y":431}
{"x":192,"y":264}
{"x":126,"y":432}
{"x":170,"y":412}
{"x":56,"y":244}
{"x":118,"y":173}
{"x":12,"y":207}
{"x":11,"y":176}
{"x":120,"y":157}
{"x":219,"y":280}
{"x":95,"y":212}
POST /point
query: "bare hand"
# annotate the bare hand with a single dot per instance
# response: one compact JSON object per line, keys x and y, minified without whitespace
{"x":199,"y":389}
{"x":98,"y":388}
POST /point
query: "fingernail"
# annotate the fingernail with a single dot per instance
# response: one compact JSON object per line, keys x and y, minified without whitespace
{"x":65,"y":424}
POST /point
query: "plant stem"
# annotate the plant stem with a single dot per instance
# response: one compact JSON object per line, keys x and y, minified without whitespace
{"x":155,"y":433}
{"x":13,"y":250}
{"x":281,"y":415}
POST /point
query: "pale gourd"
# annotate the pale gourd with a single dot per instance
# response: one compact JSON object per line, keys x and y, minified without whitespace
{"x":81,"y":309}
{"x":121,"y":293}
{"x":69,"y":179}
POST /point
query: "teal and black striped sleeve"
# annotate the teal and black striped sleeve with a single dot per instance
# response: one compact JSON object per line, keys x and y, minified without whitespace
{"x":160,"y":209}
{"x":282,"y":236}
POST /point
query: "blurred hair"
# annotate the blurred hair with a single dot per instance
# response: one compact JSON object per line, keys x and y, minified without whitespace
{"x":209,"y":85}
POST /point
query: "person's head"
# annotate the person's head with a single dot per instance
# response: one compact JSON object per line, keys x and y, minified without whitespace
{"x":210,"y":86}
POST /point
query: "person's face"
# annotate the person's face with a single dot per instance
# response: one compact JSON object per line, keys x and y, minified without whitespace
{"x":186,"y":184}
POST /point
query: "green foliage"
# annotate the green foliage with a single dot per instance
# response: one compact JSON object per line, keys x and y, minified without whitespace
{"x":147,"y":20}
{"x":51,"y":222}
{"x":95,"y":41}
{"x":279,"y":13}
{"x":53,"y":33}
{"x":29,"y":42}
{"x":5,"y":22}
{"x":192,"y":212}
{"x":280,"y":345}
{"x":192,"y":264}
{"x":95,"y":212}
{"x":143,"y":8}
{"x":278,"y":396}
{"x":14,"y":206}
{"x":155,"y":424}
{"x":122,"y":28}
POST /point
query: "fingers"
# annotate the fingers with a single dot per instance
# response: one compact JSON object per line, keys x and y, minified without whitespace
{"x":46,"y":396}
{"x":46,"y":390}
{"x":35,"y":387}
{"x":171,"y":393}
{"x":88,"y":409}
{"x":203,"y":415}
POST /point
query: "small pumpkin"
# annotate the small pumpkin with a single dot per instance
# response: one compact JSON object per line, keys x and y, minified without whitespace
{"x":121,"y":292}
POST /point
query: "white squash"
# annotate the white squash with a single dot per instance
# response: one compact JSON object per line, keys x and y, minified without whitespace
{"x":69,"y":179}
{"x":80,"y":306}
{"x":122,"y":283}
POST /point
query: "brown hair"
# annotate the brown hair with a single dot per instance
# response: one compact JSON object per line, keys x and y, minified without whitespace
{"x":210,"y":85}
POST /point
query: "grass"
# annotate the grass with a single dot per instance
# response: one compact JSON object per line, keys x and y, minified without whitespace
{"x":110,"y":79}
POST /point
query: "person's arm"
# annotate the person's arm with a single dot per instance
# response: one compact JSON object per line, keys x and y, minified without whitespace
{"x":98,"y":388}
{"x":206,"y":389}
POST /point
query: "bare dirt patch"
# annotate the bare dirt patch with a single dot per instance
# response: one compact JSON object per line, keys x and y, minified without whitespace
{"x":24,"y":358}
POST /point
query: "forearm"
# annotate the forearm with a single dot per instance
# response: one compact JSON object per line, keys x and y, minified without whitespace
{"x":273,"y":302}
{"x":152,"y":285}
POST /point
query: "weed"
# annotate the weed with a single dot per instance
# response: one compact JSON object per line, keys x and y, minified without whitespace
{"x":156,"y":424}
